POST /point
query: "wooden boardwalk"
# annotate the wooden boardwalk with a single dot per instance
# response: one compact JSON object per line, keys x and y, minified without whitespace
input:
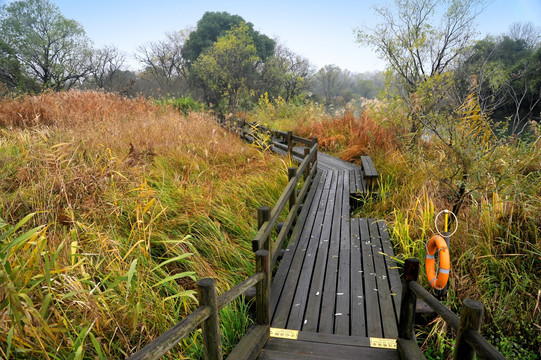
{"x":335,"y":284}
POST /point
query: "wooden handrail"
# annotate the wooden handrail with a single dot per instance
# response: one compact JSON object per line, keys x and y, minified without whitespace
{"x":450,"y":317}
{"x":171,"y":337}
{"x":228,"y":297}
{"x":165,"y":342}
{"x":265,"y":231}
{"x":292,"y":216}
{"x":469,"y":341}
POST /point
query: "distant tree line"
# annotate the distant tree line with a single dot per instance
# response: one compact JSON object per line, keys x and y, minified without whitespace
{"x":226,"y":64}
{"x":222,"y":62}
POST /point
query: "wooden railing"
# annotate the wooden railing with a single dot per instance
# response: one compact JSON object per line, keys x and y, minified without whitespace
{"x":267,"y":218}
{"x":206,"y":315}
{"x":468,"y":342}
{"x":266,"y":251}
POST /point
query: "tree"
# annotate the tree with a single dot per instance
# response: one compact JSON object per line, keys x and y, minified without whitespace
{"x":413,"y":43}
{"x":10,"y":68}
{"x":216,"y":24}
{"x":227,"y":68}
{"x":507,"y":74}
{"x":164,"y":62}
{"x":284,"y":74}
{"x":106,"y":66}
{"x":50,"y":48}
{"x":421,"y":49}
{"x":527,"y":32}
{"x":295,"y":71}
{"x":332,"y":82}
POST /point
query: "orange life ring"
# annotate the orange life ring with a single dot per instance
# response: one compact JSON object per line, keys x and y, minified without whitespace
{"x":437,"y":243}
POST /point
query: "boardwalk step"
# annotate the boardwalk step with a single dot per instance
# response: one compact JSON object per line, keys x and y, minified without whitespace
{"x":299,"y":350}
{"x":280,"y":355}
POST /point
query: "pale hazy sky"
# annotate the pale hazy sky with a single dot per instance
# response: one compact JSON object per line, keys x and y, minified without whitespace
{"x":322,"y":31}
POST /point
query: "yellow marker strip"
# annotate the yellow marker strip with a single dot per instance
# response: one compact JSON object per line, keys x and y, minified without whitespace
{"x":446,"y":221}
{"x":383,"y":343}
{"x":284,"y":333}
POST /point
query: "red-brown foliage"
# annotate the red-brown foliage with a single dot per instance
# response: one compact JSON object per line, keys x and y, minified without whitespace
{"x":67,"y":108}
{"x":349,"y":136}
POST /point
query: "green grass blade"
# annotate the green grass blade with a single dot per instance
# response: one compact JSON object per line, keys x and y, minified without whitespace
{"x":190,"y":274}
{"x":177,"y":258}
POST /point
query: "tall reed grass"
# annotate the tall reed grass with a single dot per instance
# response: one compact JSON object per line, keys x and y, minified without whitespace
{"x":129,"y":204}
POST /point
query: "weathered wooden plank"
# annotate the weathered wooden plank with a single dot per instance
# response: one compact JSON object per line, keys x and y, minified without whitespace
{"x":331,"y":351}
{"x":281,"y":355}
{"x":284,"y":305}
{"x":386,"y":306}
{"x":370,"y":173}
{"x":352,"y":185}
{"x":357,"y":318}
{"x":368,"y":166}
{"x":373,"y":321}
{"x":296,"y":317}
{"x":332,"y":163}
{"x":392,"y":267}
{"x":334,"y":339}
{"x":251,"y":343}
{"x":313,"y":307}
{"x":326,"y":319}
{"x":360,"y":183}
{"x":357,"y":185}
{"x":279,"y":278}
{"x":341,"y":323}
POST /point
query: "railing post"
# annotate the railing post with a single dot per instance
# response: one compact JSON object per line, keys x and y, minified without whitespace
{"x":289,"y":141}
{"x":263,"y":215}
{"x":308,"y":168}
{"x":211,"y":327}
{"x":314,"y":142}
{"x":262,"y":264}
{"x":408,"y":301}
{"x":291,"y":173}
{"x":470,"y":319}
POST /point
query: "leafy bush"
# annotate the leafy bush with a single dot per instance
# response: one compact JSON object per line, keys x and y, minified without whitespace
{"x":184,"y":105}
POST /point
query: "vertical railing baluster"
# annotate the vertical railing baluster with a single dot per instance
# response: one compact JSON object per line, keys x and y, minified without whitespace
{"x":291,"y":173}
{"x":307,"y":168}
{"x":211,"y":326}
{"x":409,"y":300}
{"x":263,"y":288}
{"x":470,"y":319}
{"x":289,"y":142}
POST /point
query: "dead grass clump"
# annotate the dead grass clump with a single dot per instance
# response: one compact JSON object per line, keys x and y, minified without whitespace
{"x":349,"y":136}
{"x":69,"y":108}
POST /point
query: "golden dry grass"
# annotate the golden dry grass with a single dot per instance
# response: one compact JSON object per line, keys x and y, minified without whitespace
{"x":121,"y":187}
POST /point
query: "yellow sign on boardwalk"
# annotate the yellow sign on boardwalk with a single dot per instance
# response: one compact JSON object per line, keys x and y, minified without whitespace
{"x":383,"y":343}
{"x":284,"y":333}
